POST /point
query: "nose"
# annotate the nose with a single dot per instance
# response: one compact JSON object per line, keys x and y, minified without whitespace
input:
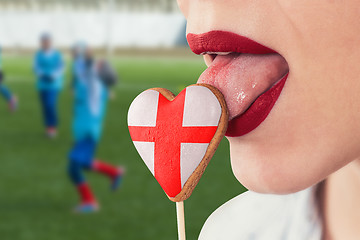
{"x":184,"y":6}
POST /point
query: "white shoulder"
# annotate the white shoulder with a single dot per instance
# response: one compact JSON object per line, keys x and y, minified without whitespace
{"x":263,"y":216}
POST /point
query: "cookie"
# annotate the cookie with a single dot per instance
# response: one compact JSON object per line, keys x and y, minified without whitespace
{"x":176,"y":136}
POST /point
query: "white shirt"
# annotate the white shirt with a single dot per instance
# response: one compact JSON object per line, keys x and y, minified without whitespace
{"x":254,"y":216}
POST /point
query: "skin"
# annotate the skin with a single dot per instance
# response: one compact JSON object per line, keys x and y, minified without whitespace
{"x":341,"y":198}
{"x":46,"y":44}
{"x":313,"y":130}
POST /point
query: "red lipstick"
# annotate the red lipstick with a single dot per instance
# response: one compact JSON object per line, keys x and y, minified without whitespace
{"x":221,"y":41}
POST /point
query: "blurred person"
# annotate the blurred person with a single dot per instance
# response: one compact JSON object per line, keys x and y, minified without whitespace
{"x":90,"y":101}
{"x":5,"y":92}
{"x":49,"y":71}
{"x":289,"y":73}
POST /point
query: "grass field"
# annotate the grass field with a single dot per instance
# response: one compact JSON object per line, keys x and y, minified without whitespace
{"x":36,"y":196}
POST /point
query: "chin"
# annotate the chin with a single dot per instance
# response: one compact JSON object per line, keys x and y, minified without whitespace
{"x":273,"y":172}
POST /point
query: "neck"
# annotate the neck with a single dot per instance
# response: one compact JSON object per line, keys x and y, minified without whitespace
{"x":341,"y":203}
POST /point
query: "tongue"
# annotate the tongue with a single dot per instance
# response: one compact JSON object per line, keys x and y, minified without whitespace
{"x":244,"y":77}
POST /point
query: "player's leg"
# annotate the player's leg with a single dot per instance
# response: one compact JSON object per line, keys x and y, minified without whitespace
{"x":13,"y":103}
{"x":5,"y":93}
{"x":48,"y":100}
{"x":79,"y":159}
{"x":114,"y":173}
{"x":43,"y":96}
{"x":53,"y":99}
{"x":78,"y":179}
{"x":9,"y":97}
{"x":52,"y":113}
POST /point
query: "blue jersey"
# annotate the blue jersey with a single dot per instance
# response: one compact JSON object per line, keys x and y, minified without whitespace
{"x":49,"y":69}
{"x":91,"y":97}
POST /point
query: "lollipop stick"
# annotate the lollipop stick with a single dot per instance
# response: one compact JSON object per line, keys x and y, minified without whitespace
{"x":180,"y":220}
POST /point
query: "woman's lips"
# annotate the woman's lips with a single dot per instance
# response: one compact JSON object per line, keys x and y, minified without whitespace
{"x":222,"y":41}
{"x":251,"y":82}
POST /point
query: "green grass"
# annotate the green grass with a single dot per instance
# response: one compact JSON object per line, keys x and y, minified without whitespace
{"x":36,"y":196}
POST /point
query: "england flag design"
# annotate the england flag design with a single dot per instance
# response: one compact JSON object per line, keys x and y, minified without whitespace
{"x":172,"y":137}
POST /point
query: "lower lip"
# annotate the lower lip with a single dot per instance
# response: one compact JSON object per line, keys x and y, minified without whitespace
{"x":256,"y":113}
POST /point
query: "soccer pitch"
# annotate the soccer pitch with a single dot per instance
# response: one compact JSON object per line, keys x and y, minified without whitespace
{"x":36,"y":196}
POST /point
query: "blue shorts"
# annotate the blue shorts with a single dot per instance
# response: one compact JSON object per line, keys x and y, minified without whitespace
{"x":83,"y":152}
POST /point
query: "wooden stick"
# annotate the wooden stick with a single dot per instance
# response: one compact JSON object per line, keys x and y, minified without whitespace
{"x":181,"y":220}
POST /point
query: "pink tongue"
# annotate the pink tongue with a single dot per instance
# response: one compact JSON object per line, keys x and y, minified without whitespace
{"x":244,"y":77}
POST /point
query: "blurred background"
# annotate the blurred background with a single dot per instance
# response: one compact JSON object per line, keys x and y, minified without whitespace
{"x":145,"y":42}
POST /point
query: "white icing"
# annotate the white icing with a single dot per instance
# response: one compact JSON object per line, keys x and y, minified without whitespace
{"x":190,"y":157}
{"x":143,"y":109}
{"x":202,"y":107}
{"x":146,"y":151}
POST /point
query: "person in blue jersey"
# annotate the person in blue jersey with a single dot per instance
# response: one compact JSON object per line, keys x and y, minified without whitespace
{"x":5,"y":92}
{"x":49,"y":70}
{"x":90,"y":101}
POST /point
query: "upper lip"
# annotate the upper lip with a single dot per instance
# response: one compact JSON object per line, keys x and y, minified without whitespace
{"x":215,"y":42}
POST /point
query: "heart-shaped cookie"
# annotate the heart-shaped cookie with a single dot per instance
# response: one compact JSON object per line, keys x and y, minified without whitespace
{"x":177,"y":136}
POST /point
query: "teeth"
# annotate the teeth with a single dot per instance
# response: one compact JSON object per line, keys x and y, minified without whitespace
{"x":216,"y":53}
